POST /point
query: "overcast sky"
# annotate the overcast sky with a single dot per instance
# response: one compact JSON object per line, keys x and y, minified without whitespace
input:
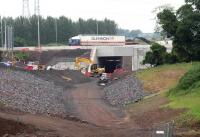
{"x":128,"y":14}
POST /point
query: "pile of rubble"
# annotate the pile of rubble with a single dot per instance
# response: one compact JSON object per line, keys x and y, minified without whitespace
{"x":28,"y":93}
{"x":124,"y":91}
{"x":48,"y":57}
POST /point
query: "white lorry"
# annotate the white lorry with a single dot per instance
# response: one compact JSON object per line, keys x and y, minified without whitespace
{"x":97,"y":40}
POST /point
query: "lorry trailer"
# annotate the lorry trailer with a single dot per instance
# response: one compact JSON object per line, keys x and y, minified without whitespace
{"x":97,"y":40}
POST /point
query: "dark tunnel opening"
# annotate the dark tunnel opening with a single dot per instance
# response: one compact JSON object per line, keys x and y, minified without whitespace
{"x":110,"y":63}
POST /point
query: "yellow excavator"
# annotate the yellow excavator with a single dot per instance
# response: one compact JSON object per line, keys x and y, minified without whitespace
{"x":92,"y":67}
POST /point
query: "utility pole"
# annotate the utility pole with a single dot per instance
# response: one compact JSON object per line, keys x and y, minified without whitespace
{"x":37,"y":13}
{"x":1,"y":32}
{"x":56,"y":29}
{"x":10,"y":41}
{"x":26,"y":10}
{"x":5,"y":46}
{"x":97,"y":25}
{"x":39,"y":32}
{"x":35,"y":7}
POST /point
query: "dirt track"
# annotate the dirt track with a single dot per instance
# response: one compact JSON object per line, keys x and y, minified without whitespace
{"x":87,"y":99}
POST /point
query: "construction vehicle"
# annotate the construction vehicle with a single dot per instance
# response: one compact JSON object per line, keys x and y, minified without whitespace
{"x":103,"y":80}
{"x":91,"y":69}
{"x":34,"y":66}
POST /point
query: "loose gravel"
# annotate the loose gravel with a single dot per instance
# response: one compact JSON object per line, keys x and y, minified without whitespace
{"x":28,"y":93}
{"x":124,"y":91}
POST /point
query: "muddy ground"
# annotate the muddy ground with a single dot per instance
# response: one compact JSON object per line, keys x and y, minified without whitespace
{"x":10,"y":128}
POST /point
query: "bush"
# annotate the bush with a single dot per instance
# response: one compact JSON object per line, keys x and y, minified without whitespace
{"x":188,"y":82}
{"x":190,"y":78}
{"x":171,"y":58}
{"x":156,"y":56}
{"x":159,"y":56}
{"x":21,"y":55}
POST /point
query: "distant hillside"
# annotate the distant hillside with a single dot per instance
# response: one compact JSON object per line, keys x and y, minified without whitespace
{"x":129,"y":34}
{"x":151,"y":36}
{"x":132,"y":34}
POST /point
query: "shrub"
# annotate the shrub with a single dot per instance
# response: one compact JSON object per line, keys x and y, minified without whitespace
{"x":156,"y":56}
{"x":188,"y":82}
{"x":159,"y":56}
{"x":189,"y":78}
{"x":171,"y":58}
{"x":22,"y":55}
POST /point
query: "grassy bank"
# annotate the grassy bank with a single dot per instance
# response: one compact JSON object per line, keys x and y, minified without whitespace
{"x":181,"y":83}
{"x":190,"y":102}
{"x":162,"y":78}
{"x":157,"y":80}
{"x":187,"y":94}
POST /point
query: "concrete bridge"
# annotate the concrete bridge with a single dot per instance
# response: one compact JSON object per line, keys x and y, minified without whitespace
{"x":129,"y":56}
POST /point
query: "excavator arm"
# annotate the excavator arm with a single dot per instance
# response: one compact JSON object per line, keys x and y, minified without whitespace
{"x":84,"y":60}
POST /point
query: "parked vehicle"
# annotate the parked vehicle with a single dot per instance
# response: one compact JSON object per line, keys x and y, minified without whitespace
{"x":103,"y":80}
{"x":34,"y":66}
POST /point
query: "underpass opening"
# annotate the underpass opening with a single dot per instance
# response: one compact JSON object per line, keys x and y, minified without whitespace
{"x":110,"y":63}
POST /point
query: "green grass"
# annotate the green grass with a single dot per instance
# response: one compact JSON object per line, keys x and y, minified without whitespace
{"x":189,"y":101}
{"x":186,"y":95}
{"x":152,"y":71}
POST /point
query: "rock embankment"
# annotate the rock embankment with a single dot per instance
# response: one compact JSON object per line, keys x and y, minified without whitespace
{"x":124,"y":91}
{"x":28,"y":93}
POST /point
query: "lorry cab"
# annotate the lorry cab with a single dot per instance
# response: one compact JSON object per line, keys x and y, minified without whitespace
{"x":74,"y":41}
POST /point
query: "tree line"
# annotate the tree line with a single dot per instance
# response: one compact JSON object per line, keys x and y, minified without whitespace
{"x":26,"y":29}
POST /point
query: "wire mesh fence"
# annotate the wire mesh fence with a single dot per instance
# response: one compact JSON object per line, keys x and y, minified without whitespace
{"x":163,"y":130}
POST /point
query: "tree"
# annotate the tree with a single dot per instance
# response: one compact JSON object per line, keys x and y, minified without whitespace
{"x":196,"y":3}
{"x":183,"y":26}
{"x":168,"y":22}
{"x":156,"y":56}
{"x":20,"y":42}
